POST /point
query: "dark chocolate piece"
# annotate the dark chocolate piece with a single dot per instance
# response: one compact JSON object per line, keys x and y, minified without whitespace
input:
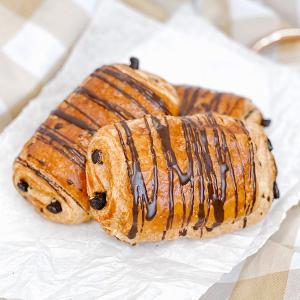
{"x":134,"y":63}
{"x":97,"y":157}
{"x":265,"y":122}
{"x":23,"y":185}
{"x":70,"y":182}
{"x":99,"y":201}
{"x":270,"y":146}
{"x":183,"y":232}
{"x":58,"y":126}
{"x":276,"y":190}
{"x":54,"y":207}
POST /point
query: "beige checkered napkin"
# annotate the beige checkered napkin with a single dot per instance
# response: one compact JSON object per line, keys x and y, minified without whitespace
{"x":272,"y":273}
{"x":35,"y":37}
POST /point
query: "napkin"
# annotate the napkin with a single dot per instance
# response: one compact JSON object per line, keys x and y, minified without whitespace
{"x":35,"y":38}
{"x":42,"y":260}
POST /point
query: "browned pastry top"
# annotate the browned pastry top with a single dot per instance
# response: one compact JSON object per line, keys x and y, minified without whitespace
{"x":56,"y":154}
{"x":176,"y":175}
{"x":196,"y":100}
{"x":50,"y":170}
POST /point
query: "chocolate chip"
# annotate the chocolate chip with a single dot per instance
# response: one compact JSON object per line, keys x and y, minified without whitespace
{"x":265,"y":122}
{"x":58,"y":126}
{"x":245,"y":222}
{"x":183,"y":232}
{"x":97,"y":157}
{"x":23,"y":186}
{"x":276,"y":191}
{"x":270,"y":146}
{"x":54,"y":207}
{"x":99,"y":201}
{"x":70,"y":182}
{"x":134,"y":63}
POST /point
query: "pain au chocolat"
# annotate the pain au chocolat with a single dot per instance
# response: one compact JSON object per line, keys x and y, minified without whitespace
{"x":50,"y":170}
{"x":166,"y":177}
{"x":198,"y":100}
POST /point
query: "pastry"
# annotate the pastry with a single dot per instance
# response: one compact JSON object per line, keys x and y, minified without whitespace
{"x":197,"y":100}
{"x":167,"y":177}
{"x":50,"y":170}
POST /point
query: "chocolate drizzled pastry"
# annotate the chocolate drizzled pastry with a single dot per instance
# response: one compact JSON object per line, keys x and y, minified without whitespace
{"x":196,"y":100}
{"x":110,"y":94}
{"x":169,"y":177}
{"x":52,"y":164}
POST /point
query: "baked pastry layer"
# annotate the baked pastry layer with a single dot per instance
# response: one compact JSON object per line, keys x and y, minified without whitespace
{"x":50,"y":170}
{"x":166,"y":177}
{"x":194,"y":100}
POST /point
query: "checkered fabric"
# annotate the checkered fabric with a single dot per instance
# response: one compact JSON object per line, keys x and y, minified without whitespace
{"x":272,"y":273}
{"x":35,"y":37}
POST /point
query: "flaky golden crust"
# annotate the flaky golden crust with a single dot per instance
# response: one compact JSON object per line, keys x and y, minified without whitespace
{"x":194,"y":100}
{"x":50,"y":169}
{"x":166,"y":177}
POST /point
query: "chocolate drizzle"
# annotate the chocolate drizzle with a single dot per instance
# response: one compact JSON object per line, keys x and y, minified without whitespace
{"x":114,"y":108}
{"x":82,"y":113}
{"x":200,"y":171}
{"x":276,"y":191}
{"x":187,"y":101}
{"x":138,"y":187}
{"x":270,"y":146}
{"x":121,"y":91}
{"x":251,"y":172}
{"x":71,"y":153}
{"x":192,"y":94}
{"x":172,"y":164}
{"x":150,"y":95}
{"x":73,"y":120}
{"x":60,"y":191}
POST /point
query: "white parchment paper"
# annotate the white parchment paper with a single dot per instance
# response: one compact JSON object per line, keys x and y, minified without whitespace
{"x":43,"y":260}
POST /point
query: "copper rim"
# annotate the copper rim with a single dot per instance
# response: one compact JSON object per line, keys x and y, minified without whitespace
{"x":276,"y":37}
